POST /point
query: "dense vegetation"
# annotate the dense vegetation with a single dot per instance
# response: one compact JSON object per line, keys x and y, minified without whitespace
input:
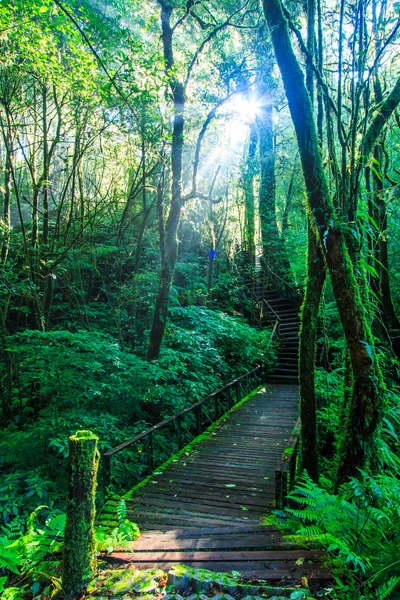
{"x":156,"y":158}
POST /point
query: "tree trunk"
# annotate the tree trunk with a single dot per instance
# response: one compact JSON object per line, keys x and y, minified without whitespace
{"x":381,"y":248}
{"x":367,"y":397}
{"x":79,"y":541}
{"x":249,"y":195}
{"x":7,"y":198}
{"x":267,"y":192}
{"x":172,"y":224}
{"x":316,"y":274}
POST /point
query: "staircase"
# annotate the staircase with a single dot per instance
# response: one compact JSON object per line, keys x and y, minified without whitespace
{"x":289,"y":322}
{"x":283,"y":306}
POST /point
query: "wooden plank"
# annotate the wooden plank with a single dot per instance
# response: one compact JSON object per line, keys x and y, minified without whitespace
{"x":252,"y":570}
{"x":184,"y":495}
{"x":259,"y":542}
{"x":195,"y":508}
{"x":182,"y":532}
{"x":174,"y":518}
{"x":177,"y":556}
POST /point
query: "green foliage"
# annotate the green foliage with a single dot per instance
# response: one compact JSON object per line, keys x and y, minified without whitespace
{"x":109,"y":538}
{"x":84,"y":380}
{"x":35,"y":556}
{"x":359,"y":526}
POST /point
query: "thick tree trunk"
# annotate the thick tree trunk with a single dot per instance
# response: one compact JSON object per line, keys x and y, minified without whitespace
{"x":316,"y":274}
{"x":79,"y":540}
{"x":367,"y":398}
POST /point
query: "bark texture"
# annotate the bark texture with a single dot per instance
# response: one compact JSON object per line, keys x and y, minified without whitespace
{"x":367,"y":399}
{"x":174,"y":215}
{"x":316,"y":274}
{"x":79,"y":540}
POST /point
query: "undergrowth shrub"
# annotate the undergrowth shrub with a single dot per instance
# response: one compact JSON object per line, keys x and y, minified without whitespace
{"x":66,"y":381}
{"x":359,"y":527}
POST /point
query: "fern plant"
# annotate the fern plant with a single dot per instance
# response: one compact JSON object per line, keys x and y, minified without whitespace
{"x":359,"y":526}
{"x":119,"y":536}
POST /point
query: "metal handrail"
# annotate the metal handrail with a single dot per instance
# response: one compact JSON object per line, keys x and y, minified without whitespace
{"x":197,"y":406}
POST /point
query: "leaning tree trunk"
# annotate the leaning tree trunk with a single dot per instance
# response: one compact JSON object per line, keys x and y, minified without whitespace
{"x":79,"y":540}
{"x":309,"y":315}
{"x":367,"y":398}
{"x":316,"y":274}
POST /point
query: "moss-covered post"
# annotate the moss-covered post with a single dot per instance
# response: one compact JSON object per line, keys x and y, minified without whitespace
{"x":79,"y":542}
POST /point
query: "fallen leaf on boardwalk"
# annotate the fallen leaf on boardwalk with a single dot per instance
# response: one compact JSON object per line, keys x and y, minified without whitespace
{"x":269,"y":565}
{"x":230,"y":485}
{"x":300,"y":561}
{"x":304,"y":582}
{"x":244,"y":508}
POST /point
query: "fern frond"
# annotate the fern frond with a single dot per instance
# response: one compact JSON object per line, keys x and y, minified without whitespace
{"x":9,"y":559}
{"x":385,"y":589}
{"x":121,"y":511}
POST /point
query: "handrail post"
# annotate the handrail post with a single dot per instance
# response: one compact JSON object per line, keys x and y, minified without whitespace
{"x":229,"y":397}
{"x":237,"y":391}
{"x":216,"y":407}
{"x":179,"y":432}
{"x":278,"y":490}
{"x":150,"y":456}
{"x":199,"y":425}
{"x":106,"y":471}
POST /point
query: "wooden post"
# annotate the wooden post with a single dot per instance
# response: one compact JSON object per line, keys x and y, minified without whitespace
{"x":237,"y":392}
{"x":229,"y":397}
{"x":150,"y":456}
{"x":199,"y":424}
{"x":179,"y":432}
{"x":106,"y":470}
{"x":79,"y":541}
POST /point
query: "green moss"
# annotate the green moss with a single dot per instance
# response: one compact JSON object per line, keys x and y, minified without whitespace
{"x":79,"y":542}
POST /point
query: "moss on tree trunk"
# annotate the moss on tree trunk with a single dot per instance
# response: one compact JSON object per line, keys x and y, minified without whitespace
{"x":79,"y":541}
{"x":308,"y":332}
{"x":365,"y":412}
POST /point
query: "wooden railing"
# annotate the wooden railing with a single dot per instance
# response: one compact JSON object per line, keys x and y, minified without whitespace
{"x":277,"y":282}
{"x":288,"y":468}
{"x":221,"y":401}
{"x":274,"y":313}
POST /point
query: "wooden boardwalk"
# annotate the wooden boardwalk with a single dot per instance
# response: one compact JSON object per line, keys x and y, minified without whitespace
{"x":205,"y":508}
